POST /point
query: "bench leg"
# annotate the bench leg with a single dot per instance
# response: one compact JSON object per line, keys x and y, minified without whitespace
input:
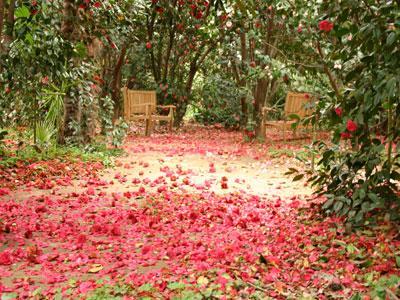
{"x":171,"y":120}
{"x":263,"y":128}
{"x":147,"y":130}
{"x":284,"y":132}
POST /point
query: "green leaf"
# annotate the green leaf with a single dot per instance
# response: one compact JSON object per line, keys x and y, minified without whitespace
{"x":356,"y":297}
{"x":298,"y":177}
{"x":263,"y":260}
{"x":338,"y":206}
{"x":373,"y":197}
{"x":9,"y":296}
{"x":176,"y":286}
{"x":22,"y":12}
{"x":328,"y":203}
{"x":37,"y":292}
{"x":391,"y":38}
{"x":145,"y":287}
{"x":58,"y":296}
{"x":80,"y":49}
{"x":398,"y":261}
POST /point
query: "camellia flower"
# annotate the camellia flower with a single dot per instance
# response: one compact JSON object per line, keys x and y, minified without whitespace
{"x":97,"y":4}
{"x":338,"y":111}
{"x":325,"y":25}
{"x":300,"y":29}
{"x":5,"y":258}
{"x":345,"y":135}
{"x":351,"y":126}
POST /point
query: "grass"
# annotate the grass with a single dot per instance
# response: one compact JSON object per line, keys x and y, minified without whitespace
{"x":20,"y":149}
{"x":93,"y":152}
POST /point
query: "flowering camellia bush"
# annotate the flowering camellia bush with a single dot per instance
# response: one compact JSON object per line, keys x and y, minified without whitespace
{"x":359,"y":172}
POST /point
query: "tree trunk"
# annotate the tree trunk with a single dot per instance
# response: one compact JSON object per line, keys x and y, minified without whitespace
{"x":8,"y":38}
{"x":116,"y":85}
{"x":71,"y":109}
{"x":182,"y":106}
{"x":259,"y":100}
{"x":1,"y":21}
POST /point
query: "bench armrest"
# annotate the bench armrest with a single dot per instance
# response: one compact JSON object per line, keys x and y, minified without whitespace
{"x":167,"y":106}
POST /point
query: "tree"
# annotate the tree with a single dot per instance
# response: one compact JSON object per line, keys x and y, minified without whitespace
{"x":266,"y":50}
{"x":2,"y":6}
{"x":71,"y":108}
{"x":180,"y":36}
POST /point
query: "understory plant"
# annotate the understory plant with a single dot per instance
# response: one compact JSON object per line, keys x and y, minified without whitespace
{"x":359,"y":170}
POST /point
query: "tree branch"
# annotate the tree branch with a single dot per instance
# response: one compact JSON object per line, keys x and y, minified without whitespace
{"x":328,"y":72}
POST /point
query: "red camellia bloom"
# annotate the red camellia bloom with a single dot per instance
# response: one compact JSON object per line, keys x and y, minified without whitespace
{"x":5,"y":258}
{"x":351,"y":126}
{"x":325,"y":25}
{"x":148,"y":45}
{"x":307,"y":96}
{"x":300,"y":29}
{"x":338,"y":111}
{"x":97,"y":4}
{"x":345,"y":135}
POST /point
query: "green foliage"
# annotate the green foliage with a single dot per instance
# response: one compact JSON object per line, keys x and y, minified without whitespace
{"x":220,"y":103}
{"x":44,"y":134}
{"x":3,"y":134}
{"x":118,"y":133}
{"x":91,"y":152}
{"x":53,"y":102}
{"x":110,"y":292}
{"x":387,"y":287}
{"x":360,"y":171}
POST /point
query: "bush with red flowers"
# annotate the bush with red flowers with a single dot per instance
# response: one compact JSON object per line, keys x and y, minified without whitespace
{"x":359,"y":171}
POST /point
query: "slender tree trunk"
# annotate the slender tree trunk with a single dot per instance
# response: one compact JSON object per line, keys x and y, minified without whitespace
{"x":243,"y":104}
{"x":171,"y":41}
{"x":71,"y":109}
{"x":181,"y":108}
{"x":259,"y":100}
{"x":1,"y":20}
{"x":150,"y":34}
{"x":332,"y":79}
{"x":116,"y":84}
{"x":10,"y":22}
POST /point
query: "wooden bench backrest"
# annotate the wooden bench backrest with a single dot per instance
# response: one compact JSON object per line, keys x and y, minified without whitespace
{"x":134,"y":101}
{"x":299,"y":104}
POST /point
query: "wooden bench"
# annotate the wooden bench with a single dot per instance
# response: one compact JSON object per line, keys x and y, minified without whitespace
{"x":300,"y":104}
{"x":142,"y":105}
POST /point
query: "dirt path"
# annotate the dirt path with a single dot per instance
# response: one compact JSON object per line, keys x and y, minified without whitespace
{"x":181,"y":164}
{"x":199,"y":209}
